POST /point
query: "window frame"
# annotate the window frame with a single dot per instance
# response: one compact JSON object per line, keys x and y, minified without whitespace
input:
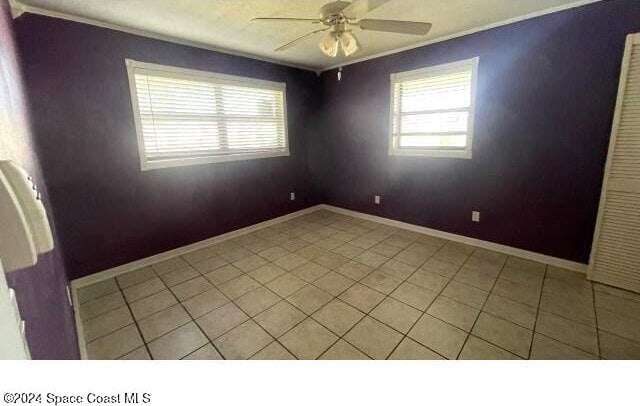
{"x":206,"y":76}
{"x":427,"y":72}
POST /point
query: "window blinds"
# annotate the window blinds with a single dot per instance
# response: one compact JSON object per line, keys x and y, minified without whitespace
{"x":432,"y":108}
{"x":186,"y":116}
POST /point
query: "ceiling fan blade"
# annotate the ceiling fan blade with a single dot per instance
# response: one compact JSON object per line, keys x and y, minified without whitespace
{"x":286,"y":19}
{"x":359,"y":8}
{"x":292,"y":43}
{"x":400,"y":27}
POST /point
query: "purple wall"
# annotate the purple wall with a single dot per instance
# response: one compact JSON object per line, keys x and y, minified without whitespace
{"x":40,"y":290}
{"x":546,"y":94}
{"x":107,"y":210}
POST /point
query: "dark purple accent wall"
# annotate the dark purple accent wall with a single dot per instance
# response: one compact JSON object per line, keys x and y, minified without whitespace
{"x":40,"y":290}
{"x":108,"y":211}
{"x":546,"y":95}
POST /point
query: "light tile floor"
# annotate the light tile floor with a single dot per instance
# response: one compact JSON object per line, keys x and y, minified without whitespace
{"x":329,"y":286}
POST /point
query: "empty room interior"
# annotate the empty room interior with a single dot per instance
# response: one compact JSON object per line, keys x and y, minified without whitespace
{"x":316,"y":180}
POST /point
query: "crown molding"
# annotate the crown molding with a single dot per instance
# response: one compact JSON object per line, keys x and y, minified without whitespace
{"x":18,"y":9}
{"x":463,"y":33}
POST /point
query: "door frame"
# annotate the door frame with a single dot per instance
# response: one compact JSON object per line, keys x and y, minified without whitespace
{"x":630,"y":41}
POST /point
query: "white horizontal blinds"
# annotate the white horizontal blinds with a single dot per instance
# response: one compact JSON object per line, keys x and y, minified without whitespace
{"x":187,"y":116}
{"x":616,"y":257}
{"x":432,"y":110}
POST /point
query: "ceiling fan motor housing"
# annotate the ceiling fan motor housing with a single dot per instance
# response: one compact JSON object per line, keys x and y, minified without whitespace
{"x":339,"y":16}
{"x":331,"y":13}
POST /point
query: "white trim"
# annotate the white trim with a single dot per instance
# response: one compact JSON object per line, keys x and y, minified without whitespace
{"x":213,"y":77}
{"x":513,"y":20}
{"x":426,"y":72}
{"x":218,"y":77}
{"x":82,"y":345}
{"x":505,"y":249}
{"x":141,"y":263}
{"x":136,"y":114}
{"x":617,"y":116}
{"x":17,"y":9}
{"x":172,"y":163}
{"x":24,"y":8}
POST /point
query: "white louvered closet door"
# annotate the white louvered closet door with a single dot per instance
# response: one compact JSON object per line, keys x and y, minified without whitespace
{"x":615,"y":256}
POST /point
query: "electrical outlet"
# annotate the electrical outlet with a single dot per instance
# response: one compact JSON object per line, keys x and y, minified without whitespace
{"x":475,"y":216}
{"x":292,"y":196}
{"x":376,"y":199}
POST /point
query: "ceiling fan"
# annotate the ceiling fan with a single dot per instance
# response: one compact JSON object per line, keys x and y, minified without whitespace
{"x":339,"y":17}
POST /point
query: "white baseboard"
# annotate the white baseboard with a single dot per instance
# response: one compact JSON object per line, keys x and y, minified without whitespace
{"x":141,"y":263}
{"x":82,"y":344}
{"x":505,"y":249}
{"x":154,"y":259}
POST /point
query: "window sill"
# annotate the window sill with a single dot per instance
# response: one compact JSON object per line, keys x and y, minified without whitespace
{"x":460,"y":154}
{"x":172,"y":163}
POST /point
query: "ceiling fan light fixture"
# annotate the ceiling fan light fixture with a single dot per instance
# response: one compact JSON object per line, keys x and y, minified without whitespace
{"x":329,"y":45}
{"x":349,"y":43}
{"x":338,"y":17}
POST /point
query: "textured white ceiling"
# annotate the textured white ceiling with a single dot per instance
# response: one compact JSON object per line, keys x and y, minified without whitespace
{"x":226,"y":23}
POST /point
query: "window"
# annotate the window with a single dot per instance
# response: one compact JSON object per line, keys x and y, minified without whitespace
{"x":432,"y":110}
{"x":188,"y":117}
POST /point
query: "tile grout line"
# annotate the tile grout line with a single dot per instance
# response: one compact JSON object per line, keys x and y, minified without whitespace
{"x":144,"y":343}
{"x":438,"y":294}
{"x":368,"y":314}
{"x":484,"y":304}
{"x":595,"y":316}
{"x":227,"y":297}
{"x":128,"y":304}
{"x":187,"y":312}
{"x":275,"y":339}
{"x":418,"y":268}
{"x":249,"y":318}
{"x":321,"y":225}
{"x":311,"y":284}
{"x":564,"y":317}
{"x":282,"y":299}
{"x":341,"y":337}
{"x":107,"y":311}
{"x":80,"y":304}
{"x":307,"y":283}
{"x":561,"y":316}
{"x":453,"y":299}
{"x":232,"y":301}
{"x":215,"y":286}
{"x":489,"y":293}
{"x":333,"y":297}
{"x":535,"y":321}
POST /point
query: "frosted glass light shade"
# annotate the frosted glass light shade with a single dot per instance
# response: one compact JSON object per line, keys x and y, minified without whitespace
{"x":349,"y":43}
{"x":329,"y":45}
